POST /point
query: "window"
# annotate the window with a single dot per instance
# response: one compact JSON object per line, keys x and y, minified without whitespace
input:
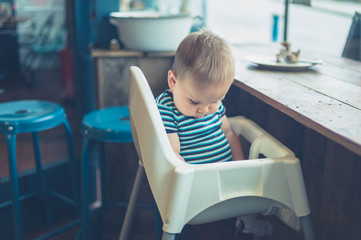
{"x":323,"y":27}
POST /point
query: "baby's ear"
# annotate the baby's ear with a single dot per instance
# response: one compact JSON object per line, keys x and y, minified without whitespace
{"x":172,"y":80}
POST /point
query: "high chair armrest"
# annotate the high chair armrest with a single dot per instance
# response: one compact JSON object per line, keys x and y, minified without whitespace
{"x":261,"y":141}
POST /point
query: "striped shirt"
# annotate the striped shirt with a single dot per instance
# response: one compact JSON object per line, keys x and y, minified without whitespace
{"x":201,"y":140}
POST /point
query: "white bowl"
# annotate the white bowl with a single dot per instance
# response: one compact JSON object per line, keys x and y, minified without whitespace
{"x":150,"y":31}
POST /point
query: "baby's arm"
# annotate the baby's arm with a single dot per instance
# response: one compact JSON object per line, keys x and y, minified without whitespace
{"x":233,"y":140}
{"x":174,"y":142}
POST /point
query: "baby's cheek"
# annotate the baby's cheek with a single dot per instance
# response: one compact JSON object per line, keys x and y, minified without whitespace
{"x":213,"y":109}
{"x":190,"y":110}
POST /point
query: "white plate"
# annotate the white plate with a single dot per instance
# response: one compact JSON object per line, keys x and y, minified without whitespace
{"x":271,"y":64}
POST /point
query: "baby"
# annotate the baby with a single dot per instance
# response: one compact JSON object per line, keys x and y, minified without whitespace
{"x":191,"y":109}
{"x":193,"y":113}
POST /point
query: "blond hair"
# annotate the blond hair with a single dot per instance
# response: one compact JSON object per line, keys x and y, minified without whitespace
{"x":206,"y":56}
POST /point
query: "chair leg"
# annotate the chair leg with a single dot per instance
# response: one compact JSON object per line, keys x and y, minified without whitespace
{"x":168,"y":236}
{"x":307,"y":228}
{"x":98,"y":175}
{"x":158,"y":222}
{"x":103,"y":181}
{"x":73,"y":166}
{"x":85,"y":189}
{"x":132,"y":203}
{"x":40,"y":176}
{"x":11,"y":142}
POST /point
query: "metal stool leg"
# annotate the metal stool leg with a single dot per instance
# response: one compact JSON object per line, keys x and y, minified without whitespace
{"x":11,"y":142}
{"x":85,"y":189}
{"x":132,"y":203}
{"x":97,"y":174}
{"x":73,"y":166}
{"x":307,"y":228}
{"x":75,"y":201}
{"x":40,"y":178}
{"x":101,"y":166}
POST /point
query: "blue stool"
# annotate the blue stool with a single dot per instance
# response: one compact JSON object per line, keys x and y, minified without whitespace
{"x":105,"y":125}
{"x":32,"y":116}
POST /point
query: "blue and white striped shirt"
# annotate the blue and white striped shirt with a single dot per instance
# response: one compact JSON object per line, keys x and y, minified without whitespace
{"x":201,"y":140}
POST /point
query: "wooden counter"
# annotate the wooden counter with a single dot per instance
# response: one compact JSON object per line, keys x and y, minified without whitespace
{"x":99,"y":53}
{"x":317,"y":114}
{"x":325,"y":98}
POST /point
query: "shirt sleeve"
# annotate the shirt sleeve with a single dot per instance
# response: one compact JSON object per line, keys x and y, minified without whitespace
{"x":221,"y":110}
{"x":169,"y":118}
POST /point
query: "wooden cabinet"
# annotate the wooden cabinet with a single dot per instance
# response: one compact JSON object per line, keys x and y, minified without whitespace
{"x":112,"y":73}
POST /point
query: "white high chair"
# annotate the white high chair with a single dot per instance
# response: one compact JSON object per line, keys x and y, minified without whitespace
{"x":196,"y":194}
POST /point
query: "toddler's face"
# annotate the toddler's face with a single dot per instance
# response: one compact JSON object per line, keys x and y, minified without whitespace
{"x":193,"y":99}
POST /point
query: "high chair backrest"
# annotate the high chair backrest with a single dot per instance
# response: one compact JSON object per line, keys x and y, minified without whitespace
{"x":150,"y":137}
